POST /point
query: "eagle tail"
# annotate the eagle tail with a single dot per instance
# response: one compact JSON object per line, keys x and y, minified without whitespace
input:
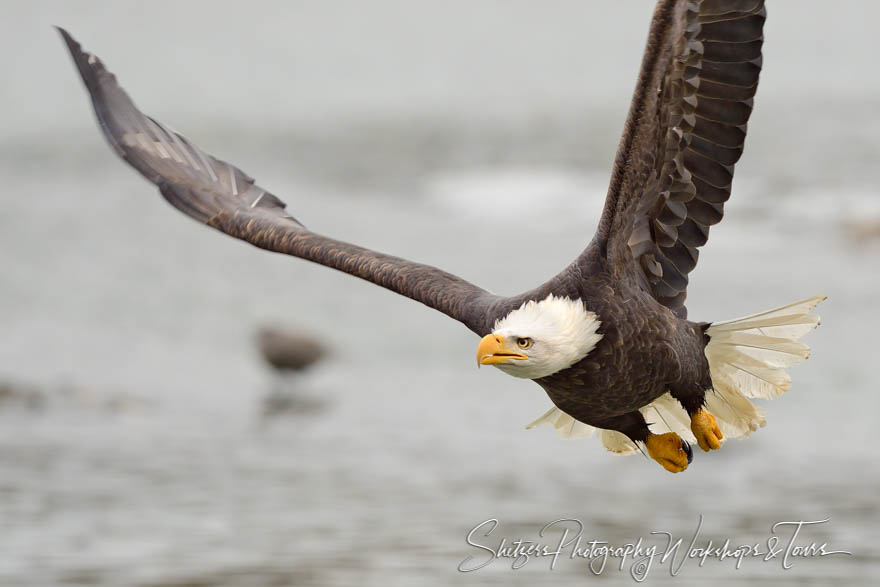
{"x":747,"y":359}
{"x":568,"y":427}
{"x":664,"y":413}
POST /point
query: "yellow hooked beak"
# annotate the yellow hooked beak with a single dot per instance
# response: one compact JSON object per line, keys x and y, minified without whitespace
{"x":492,"y":351}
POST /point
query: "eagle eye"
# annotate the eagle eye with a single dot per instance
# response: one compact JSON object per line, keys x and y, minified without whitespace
{"x":524,"y":343}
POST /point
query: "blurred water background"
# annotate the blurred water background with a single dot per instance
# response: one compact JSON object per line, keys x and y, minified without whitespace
{"x":134,"y":448}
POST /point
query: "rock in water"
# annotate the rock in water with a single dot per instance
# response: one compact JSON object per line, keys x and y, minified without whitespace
{"x":287,"y":350}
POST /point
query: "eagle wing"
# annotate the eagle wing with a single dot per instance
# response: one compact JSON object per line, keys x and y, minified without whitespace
{"x":224,"y":197}
{"x":684,"y":133}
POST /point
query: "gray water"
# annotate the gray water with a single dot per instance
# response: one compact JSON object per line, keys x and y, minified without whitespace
{"x":135,"y":450}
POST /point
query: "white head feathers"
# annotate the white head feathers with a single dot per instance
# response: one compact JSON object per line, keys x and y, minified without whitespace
{"x":563,"y":332}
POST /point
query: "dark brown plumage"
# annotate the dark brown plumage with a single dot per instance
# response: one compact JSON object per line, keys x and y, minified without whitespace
{"x":672,"y":174}
{"x":685,"y":131}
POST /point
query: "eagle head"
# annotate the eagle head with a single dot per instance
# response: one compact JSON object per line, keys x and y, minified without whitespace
{"x":540,"y":338}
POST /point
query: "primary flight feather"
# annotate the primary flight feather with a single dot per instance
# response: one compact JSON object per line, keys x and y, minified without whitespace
{"x":608,"y":338}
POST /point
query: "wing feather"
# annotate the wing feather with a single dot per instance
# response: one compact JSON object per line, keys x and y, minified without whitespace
{"x":684,"y":134}
{"x":224,"y":197}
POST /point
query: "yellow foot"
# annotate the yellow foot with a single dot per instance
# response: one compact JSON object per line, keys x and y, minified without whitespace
{"x":706,"y":430}
{"x":670,"y":451}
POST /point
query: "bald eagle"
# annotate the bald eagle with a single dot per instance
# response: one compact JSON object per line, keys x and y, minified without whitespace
{"x":608,"y":338}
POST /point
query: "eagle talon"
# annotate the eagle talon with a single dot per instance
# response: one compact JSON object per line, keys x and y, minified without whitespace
{"x":706,"y":430}
{"x":687,"y":449}
{"x":673,"y":453}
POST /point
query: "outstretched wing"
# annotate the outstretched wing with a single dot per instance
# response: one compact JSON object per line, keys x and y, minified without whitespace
{"x":685,"y":131}
{"x":223,"y":197}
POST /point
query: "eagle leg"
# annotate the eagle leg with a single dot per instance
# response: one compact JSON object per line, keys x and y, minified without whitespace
{"x":693,"y":399}
{"x":673,"y":453}
{"x":706,"y":430}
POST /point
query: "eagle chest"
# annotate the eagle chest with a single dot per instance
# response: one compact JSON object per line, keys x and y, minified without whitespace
{"x":629,"y":368}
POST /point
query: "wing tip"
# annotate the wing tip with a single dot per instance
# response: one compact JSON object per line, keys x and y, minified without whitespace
{"x":90,"y":67}
{"x":63,"y":32}
{"x":72,"y":44}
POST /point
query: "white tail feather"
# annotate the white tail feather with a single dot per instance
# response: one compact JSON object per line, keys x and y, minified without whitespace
{"x":565,"y":425}
{"x":747,"y":356}
{"x":746,"y":360}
